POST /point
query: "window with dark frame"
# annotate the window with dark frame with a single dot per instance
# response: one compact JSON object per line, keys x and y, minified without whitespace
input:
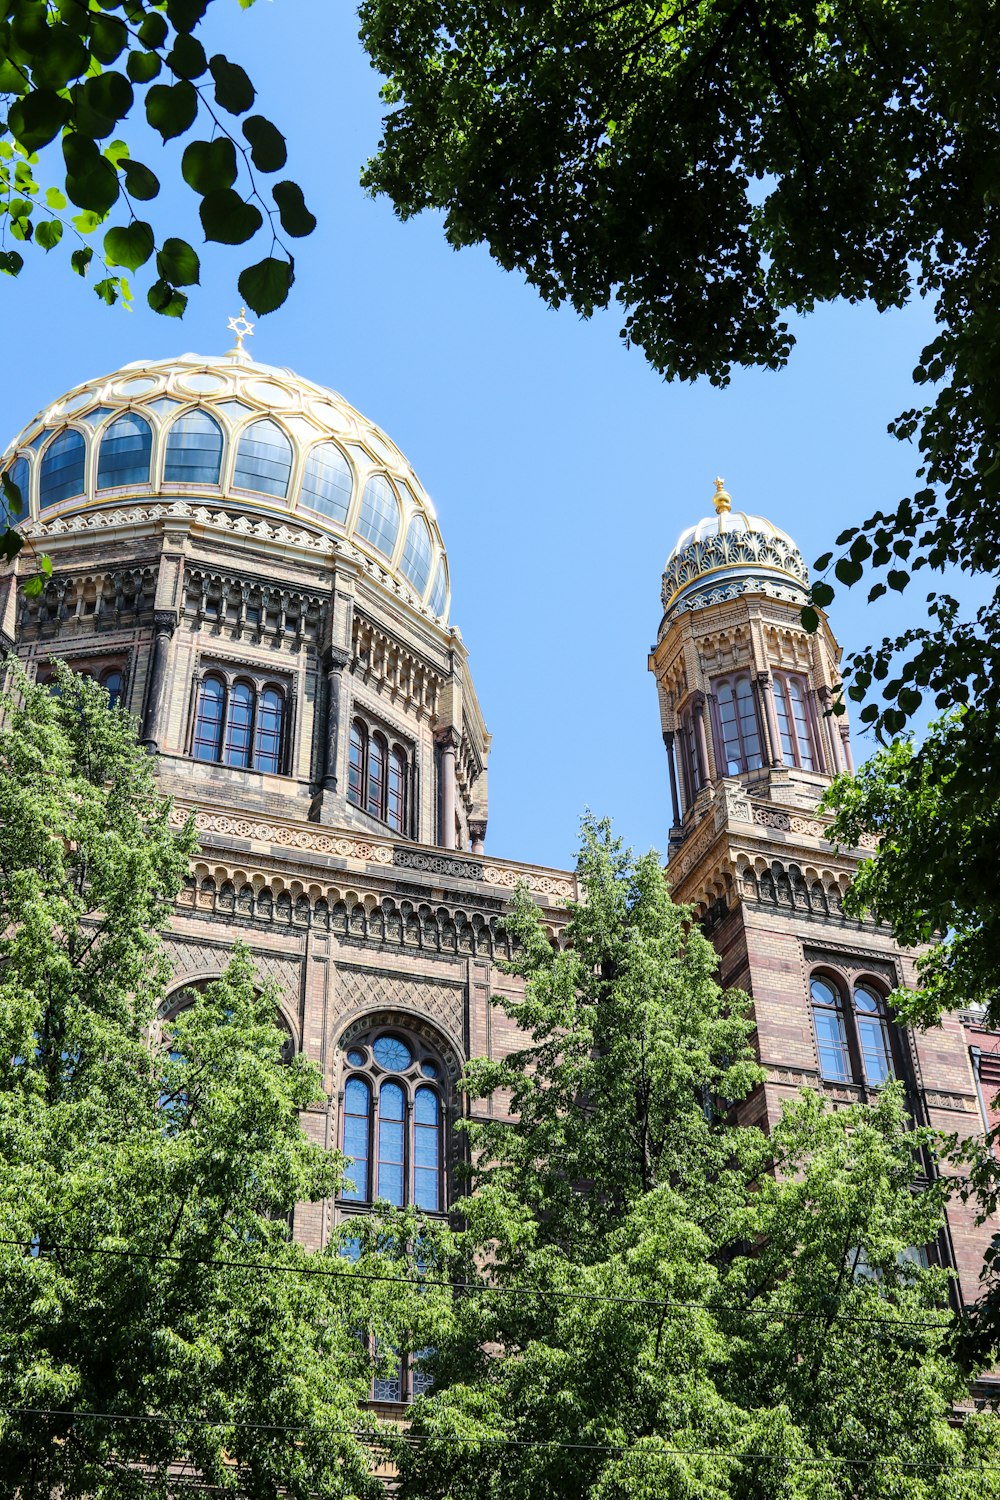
{"x":738,"y":729}
{"x":240,"y":722}
{"x":392,"y":1128}
{"x":791,"y":703}
{"x":378,"y":775}
{"x":852,"y":1027}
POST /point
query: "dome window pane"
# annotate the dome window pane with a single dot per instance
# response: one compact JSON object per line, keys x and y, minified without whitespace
{"x":379,"y":518}
{"x":440,"y":589}
{"x":327,"y":482}
{"x":264,"y":460}
{"x":125,"y":452}
{"x":20,"y":476}
{"x":416,"y":560}
{"x":194,"y":450}
{"x":63,"y":466}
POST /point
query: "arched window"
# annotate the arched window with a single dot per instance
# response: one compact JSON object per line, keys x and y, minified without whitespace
{"x":264,"y":460}
{"x":267,"y":741}
{"x":792,"y":709}
{"x":439,"y":592}
{"x":395,"y":811}
{"x":239,"y":725}
{"x":356,"y":764}
{"x":327,"y":483}
{"x":113,"y":682}
{"x":125,"y":451}
{"x":416,"y":559}
{"x":379,"y":518}
{"x":376,"y":776}
{"x":873,"y":1035}
{"x":20,"y":476}
{"x":63,"y":468}
{"x":831,"y":1037}
{"x":737,"y":721}
{"x":392,"y":1102}
{"x":194,"y":450}
{"x":207,"y":744}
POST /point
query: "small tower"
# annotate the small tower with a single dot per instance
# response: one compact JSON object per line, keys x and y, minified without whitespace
{"x":745,"y":695}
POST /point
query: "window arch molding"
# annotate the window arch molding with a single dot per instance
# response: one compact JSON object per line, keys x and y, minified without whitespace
{"x":856,"y":1038}
{"x":241,"y":719}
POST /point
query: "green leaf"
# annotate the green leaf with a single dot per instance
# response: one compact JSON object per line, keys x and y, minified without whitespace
{"x":266,"y":285}
{"x":38,"y":118}
{"x":897,"y":579}
{"x":822,"y":594}
{"x":86,"y":222}
{"x":268,"y":150}
{"x":209,"y":165}
{"x":142,"y":67}
{"x":178,"y":263}
{"x":171,"y":108}
{"x":154,"y":30}
{"x":33,"y":586}
{"x":296,"y":219}
{"x":186,"y":58}
{"x":101,"y":103}
{"x":62,"y":56}
{"x":810,"y":619}
{"x":48,"y":233}
{"x":55,"y":199}
{"x":80,"y":260}
{"x":869,"y":714}
{"x":11,"y":262}
{"x":848,"y":572}
{"x":12,"y":495}
{"x":140,"y":182}
{"x":11,"y":542}
{"x":107,"y":290}
{"x":45,"y":563}
{"x":129,"y":245}
{"x":117,"y":153}
{"x":166,"y":300}
{"x":875,"y":592}
{"x":108,"y":38}
{"x":184,"y":15}
{"x":233,"y":89}
{"x":225,"y":217}
{"x":91,"y":180}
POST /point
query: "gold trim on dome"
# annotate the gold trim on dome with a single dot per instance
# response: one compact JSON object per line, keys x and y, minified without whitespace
{"x":736,"y":568}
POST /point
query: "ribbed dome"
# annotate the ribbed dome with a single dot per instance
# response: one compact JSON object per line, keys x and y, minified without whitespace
{"x":250,"y":437}
{"x":729,"y":554}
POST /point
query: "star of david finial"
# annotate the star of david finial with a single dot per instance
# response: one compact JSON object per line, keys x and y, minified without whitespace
{"x":243,"y":329}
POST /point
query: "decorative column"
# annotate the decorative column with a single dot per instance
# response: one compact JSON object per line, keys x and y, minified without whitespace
{"x":447,"y":741}
{"x":477,"y":832}
{"x":335,"y":661}
{"x":833,"y":733}
{"x":668,"y":740}
{"x":164,"y":625}
{"x":701,"y":732}
{"x":766,"y":690}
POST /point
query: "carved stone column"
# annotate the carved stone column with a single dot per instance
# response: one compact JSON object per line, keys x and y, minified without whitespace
{"x":447,"y":741}
{"x":833,"y":733}
{"x":477,"y":832}
{"x":668,"y":740}
{"x":702,"y":734}
{"x":766,"y":691}
{"x":164,"y":625}
{"x":335,"y":662}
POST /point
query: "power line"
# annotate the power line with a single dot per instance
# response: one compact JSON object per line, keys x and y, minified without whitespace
{"x":475,"y":1287}
{"x":639,"y":1447}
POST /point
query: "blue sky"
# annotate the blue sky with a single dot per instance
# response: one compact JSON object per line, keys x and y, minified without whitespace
{"x":561,"y":466}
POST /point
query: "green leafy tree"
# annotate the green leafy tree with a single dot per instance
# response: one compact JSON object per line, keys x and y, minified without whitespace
{"x":155,"y":1320}
{"x":657,"y":1301}
{"x":711,"y":167}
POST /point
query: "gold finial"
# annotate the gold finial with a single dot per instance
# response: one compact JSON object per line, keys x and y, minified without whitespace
{"x":242,"y":329}
{"x":722,"y":500}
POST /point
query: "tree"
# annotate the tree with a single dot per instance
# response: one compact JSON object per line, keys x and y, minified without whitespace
{"x":156,"y":1320}
{"x":710,"y":167}
{"x":657,"y":1301}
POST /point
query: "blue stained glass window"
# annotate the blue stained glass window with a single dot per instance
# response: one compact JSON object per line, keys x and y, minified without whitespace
{"x":238,"y":721}
{"x":63,"y":465}
{"x":426,"y":1150}
{"x":392,"y":1054}
{"x":379,"y":518}
{"x":208,"y":722}
{"x":20,"y":475}
{"x":416,"y":559}
{"x":390,"y":1144}
{"x":421,"y":1381}
{"x":388,"y":1386}
{"x":264,"y":460}
{"x":125,"y":452}
{"x":194,"y":450}
{"x":327,"y":482}
{"x":357,"y":1124}
{"x":440,"y":589}
{"x":267,"y":741}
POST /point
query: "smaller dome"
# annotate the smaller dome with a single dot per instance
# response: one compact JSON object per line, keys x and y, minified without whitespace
{"x":729,"y":554}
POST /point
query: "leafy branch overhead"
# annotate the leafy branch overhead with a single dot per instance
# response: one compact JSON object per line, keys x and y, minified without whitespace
{"x":71,"y":72}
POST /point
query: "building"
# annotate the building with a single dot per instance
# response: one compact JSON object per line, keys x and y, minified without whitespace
{"x":255,"y":571}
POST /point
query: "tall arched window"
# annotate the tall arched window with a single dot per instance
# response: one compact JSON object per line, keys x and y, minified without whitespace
{"x":737,"y":718}
{"x":357,"y":1138}
{"x":125,"y":451}
{"x":873,"y":1035}
{"x":831,"y":1037}
{"x":416,"y":559}
{"x":356,"y":764}
{"x":376,"y":776}
{"x":113,"y":682}
{"x":392,"y":1099}
{"x":267,"y":741}
{"x":207,"y":744}
{"x":194,"y":450}
{"x":328,"y":482}
{"x":239,"y":725}
{"x":391,"y":1140}
{"x":379,"y":518}
{"x":63,"y":468}
{"x":395,"y":812}
{"x":853,"y":1039}
{"x":264,"y":460}
{"x":426,"y":1150}
{"x":792,"y":709}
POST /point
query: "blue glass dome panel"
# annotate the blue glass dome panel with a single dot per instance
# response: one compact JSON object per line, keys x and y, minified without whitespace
{"x":440,"y":589}
{"x":327,"y":483}
{"x":379,"y":518}
{"x":264,"y":460}
{"x":20,"y":475}
{"x":64,"y":464}
{"x":194,"y":450}
{"x":417,"y":556}
{"x":125,"y":451}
